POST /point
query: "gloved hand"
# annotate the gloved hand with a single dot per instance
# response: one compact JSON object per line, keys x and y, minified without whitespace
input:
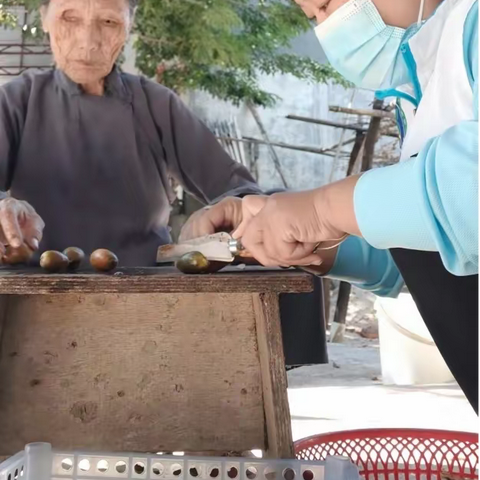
{"x":20,"y":226}
{"x":225,"y":216}
{"x":298,"y":229}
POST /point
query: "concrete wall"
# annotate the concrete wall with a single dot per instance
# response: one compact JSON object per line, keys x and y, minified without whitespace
{"x":302,"y":170}
{"x":297,"y":97}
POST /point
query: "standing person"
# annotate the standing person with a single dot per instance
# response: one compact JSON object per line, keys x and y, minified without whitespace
{"x":415,"y":222}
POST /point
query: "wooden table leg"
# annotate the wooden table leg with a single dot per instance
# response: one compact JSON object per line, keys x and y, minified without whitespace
{"x":274,"y":376}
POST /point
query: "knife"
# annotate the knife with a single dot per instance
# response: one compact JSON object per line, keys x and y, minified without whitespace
{"x":219,"y":247}
{"x":222,"y":247}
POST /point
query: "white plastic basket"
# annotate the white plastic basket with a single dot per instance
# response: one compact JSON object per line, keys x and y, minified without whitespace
{"x":39,"y":462}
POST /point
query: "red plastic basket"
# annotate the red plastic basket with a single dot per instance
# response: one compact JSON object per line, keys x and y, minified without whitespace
{"x":399,"y":454}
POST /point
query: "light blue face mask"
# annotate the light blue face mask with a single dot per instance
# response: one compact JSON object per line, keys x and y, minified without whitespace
{"x":361,"y":47}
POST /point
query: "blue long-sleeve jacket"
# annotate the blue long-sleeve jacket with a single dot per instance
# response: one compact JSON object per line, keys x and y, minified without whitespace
{"x":428,"y":203}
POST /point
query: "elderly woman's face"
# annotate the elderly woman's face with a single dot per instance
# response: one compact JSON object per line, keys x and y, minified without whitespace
{"x":87,"y":36}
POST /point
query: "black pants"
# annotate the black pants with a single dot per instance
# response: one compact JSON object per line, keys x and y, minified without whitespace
{"x":303,"y":327}
{"x":449,"y":307}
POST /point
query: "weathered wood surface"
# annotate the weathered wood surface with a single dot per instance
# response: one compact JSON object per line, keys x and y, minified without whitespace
{"x":154,"y":280}
{"x":148,"y":373}
{"x":274,"y":376}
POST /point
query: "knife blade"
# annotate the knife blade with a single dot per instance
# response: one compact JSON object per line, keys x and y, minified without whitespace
{"x":219,"y":247}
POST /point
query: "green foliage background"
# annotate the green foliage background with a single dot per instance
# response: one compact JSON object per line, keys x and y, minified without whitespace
{"x":219,"y":46}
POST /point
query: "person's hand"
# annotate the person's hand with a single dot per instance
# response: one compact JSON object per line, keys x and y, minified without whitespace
{"x":225,"y":216}
{"x":287,"y":228}
{"x":319,"y":9}
{"x":20,"y":225}
{"x":284,"y":229}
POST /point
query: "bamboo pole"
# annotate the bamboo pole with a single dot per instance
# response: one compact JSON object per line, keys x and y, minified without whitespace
{"x":356,"y":152}
{"x":337,"y":331}
{"x":341,"y":142}
{"x":263,"y":131}
{"x":328,"y":123}
{"x":319,"y":151}
{"x":353,"y":126}
{"x":363,"y":112}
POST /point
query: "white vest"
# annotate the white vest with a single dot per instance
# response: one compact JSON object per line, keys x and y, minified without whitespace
{"x":447,"y":95}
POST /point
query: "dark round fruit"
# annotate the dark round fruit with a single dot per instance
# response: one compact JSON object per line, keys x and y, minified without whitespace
{"x":103,"y":260}
{"x":17,"y":256}
{"x":54,"y":262}
{"x":75,"y":257}
{"x":193,"y":263}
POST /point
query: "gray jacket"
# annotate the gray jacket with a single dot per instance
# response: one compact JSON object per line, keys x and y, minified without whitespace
{"x":96,"y":168}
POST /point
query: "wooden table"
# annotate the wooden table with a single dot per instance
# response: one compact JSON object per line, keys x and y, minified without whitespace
{"x":145,"y":360}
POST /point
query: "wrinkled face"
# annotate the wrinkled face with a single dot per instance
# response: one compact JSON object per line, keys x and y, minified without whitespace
{"x":86,"y":36}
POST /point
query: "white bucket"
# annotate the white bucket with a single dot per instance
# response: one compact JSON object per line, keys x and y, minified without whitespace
{"x":407,"y":351}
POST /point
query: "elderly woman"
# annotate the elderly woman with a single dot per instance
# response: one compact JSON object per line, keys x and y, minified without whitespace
{"x":86,"y":151}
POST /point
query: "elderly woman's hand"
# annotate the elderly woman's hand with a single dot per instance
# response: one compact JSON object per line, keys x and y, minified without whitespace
{"x":225,"y":216}
{"x":285,"y":229}
{"x":319,"y":9}
{"x":19,"y":224}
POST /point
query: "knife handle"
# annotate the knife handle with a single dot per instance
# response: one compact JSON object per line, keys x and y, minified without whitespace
{"x":237,"y":250}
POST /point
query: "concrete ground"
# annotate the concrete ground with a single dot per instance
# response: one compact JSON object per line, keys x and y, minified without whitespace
{"x":347,"y":394}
